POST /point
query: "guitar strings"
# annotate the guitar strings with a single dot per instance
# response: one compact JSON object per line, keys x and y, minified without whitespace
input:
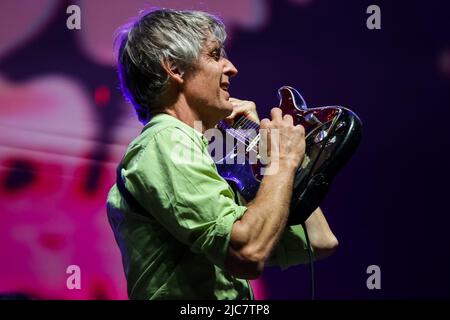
{"x":246,"y":124}
{"x":249,"y":124}
{"x":236,"y":133}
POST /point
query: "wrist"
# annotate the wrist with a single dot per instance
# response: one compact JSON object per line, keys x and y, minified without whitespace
{"x":280,"y":169}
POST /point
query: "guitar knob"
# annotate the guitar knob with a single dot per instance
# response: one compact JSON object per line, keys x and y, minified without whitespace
{"x":320,"y":136}
{"x":312,"y":119}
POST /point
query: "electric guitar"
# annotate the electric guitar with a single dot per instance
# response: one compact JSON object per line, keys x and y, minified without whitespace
{"x":332,"y":134}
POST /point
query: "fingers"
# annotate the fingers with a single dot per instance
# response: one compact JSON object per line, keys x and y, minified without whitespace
{"x":275,"y":114}
{"x":300,"y":129}
{"x":284,"y":141}
{"x":265,"y":124}
{"x":243,"y":107}
{"x":243,"y":104}
{"x":265,"y":142}
{"x":237,"y":110}
{"x":288,"y":119}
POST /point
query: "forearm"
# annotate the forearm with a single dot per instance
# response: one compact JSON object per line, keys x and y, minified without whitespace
{"x":255,"y":235}
{"x":322,"y":239}
{"x":258,"y":231}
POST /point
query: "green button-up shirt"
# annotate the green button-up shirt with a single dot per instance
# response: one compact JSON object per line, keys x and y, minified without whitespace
{"x":177,"y":249}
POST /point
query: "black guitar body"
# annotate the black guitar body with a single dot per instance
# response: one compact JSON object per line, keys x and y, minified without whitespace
{"x":332,"y":136}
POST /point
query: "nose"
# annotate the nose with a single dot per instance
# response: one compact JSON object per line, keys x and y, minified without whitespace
{"x":229,"y":68}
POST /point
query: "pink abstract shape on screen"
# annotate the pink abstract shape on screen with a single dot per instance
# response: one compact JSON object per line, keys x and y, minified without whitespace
{"x":259,"y":289}
{"x":21,"y":20}
{"x":51,"y":221}
{"x":101,"y":18}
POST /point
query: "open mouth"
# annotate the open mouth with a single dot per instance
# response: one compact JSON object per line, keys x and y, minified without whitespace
{"x":224,"y":86}
{"x":227,"y":94}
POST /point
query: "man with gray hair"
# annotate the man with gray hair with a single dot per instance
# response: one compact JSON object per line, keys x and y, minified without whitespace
{"x":182,"y":230}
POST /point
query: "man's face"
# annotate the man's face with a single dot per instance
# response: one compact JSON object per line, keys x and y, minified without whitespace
{"x":206,"y":87}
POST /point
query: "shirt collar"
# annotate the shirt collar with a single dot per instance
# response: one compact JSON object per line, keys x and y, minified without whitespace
{"x":164,"y":117}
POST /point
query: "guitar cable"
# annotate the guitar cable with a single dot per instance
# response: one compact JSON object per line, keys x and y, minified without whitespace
{"x":308,"y":243}
{"x":311,"y":261}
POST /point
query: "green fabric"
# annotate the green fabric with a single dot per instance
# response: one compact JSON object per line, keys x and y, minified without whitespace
{"x":177,"y":249}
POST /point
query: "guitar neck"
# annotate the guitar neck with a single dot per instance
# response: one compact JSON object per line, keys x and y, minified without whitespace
{"x":242,"y":122}
{"x":243,"y":130}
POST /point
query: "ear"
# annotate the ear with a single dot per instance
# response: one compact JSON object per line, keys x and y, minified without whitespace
{"x":173,"y":71}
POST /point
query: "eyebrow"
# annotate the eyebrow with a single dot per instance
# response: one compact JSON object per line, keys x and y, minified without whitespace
{"x":213,"y":46}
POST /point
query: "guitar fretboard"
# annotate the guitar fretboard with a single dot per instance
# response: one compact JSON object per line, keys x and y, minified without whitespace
{"x":244,"y":130}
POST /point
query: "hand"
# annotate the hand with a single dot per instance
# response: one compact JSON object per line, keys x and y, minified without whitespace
{"x":242,"y":107}
{"x":286,"y":142}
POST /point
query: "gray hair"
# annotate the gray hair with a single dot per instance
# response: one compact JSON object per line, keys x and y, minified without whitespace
{"x":176,"y":37}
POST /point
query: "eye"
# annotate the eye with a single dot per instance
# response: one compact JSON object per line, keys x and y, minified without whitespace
{"x":216,"y":54}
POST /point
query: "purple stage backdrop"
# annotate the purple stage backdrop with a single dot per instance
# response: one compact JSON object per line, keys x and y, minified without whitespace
{"x":64,"y":126}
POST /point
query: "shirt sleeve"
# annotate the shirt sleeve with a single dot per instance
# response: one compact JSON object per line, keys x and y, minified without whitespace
{"x":175,"y":179}
{"x":291,"y":249}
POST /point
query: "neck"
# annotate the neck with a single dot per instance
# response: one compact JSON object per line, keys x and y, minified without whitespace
{"x":180,"y":109}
